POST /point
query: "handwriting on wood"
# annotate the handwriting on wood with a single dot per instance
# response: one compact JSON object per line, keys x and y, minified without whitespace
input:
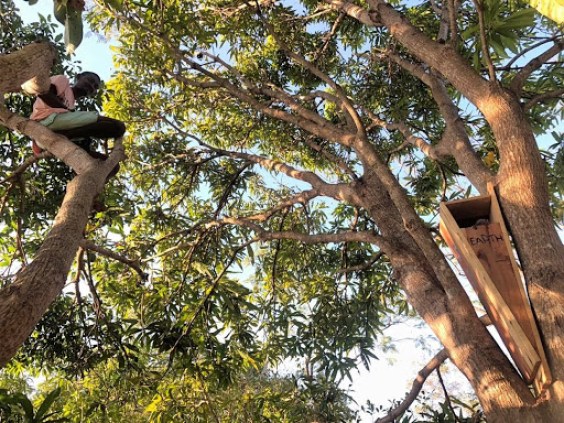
{"x":474,"y":230}
{"x":488,"y":243}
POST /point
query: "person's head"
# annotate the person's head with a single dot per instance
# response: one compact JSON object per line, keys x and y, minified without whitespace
{"x":87,"y":83}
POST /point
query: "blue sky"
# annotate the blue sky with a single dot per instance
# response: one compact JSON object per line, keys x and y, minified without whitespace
{"x":94,"y":51}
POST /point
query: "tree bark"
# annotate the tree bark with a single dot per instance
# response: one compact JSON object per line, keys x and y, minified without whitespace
{"x":440,"y":300}
{"x":29,"y":67}
{"x":23,"y":302}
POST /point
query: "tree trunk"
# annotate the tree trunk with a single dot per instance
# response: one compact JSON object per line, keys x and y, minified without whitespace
{"x":524,"y":198}
{"x":446,"y":308}
{"x":24,"y":301}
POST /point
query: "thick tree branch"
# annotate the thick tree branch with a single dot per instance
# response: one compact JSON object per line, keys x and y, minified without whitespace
{"x":441,"y":57}
{"x":519,"y":80}
{"x":455,"y":140}
{"x":265,"y":235}
{"x":410,"y":139}
{"x":337,"y":191}
{"x":23,"y":302}
{"x":354,"y":11}
{"x":301,"y":198}
{"x":274,"y":165}
{"x":306,"y":119}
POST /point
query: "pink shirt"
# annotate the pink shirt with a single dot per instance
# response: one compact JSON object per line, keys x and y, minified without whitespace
{"x":64,"y":91}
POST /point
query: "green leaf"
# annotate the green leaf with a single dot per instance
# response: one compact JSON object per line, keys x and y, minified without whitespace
{"x":47,"y":402}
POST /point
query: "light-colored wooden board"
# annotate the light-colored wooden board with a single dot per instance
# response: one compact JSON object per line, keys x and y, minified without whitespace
{"x":522,"y":351}
{"x":488,"y":242}
{"x":543,"y":378}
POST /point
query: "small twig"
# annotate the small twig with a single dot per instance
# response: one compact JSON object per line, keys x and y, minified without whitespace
{"x":331,"y":157}
{"x":445,"y":183}
{"x":485,"y":50}
{"x":201,"y":305}
{"x":26,"y":163}
{"x":277,"y":249}
{"x":328,"y":36}
{"x":363,"y":266}
{"x":5,"y":197}
{"x":443,"y":15}
{"x":96,"y":301}
{"x":225,"y":196}
{"x":519,"y":80}
{"x":346,"y":106}
{"x":438,"y":11}
{"x":422,"y":376}
{"x":541,"y":97}
{"x":134,"y":264}
{"x":447,"y":397}
{"x":19,"y":231}
{"x":528,"y":49}
{"x":79,"y":270}
{"x":452,"y":6}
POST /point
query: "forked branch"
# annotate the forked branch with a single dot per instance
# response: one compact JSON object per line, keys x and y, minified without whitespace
{"x":519,"y":80}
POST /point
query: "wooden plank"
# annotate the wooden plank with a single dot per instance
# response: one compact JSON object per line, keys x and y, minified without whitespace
{"x":488,"y":242}
{"x":524,"y":354}
{"x":543,"y":378}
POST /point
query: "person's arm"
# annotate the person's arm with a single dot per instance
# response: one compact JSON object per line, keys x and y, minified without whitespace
{"x":52,"y":99}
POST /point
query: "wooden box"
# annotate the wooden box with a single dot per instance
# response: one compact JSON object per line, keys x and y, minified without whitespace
{"x":475,"y":232}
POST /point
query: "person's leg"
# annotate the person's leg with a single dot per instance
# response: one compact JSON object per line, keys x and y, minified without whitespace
{"x":103,"y":128}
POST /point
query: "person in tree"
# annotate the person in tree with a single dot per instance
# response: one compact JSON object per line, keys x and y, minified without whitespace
{"x":55,"y":110}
